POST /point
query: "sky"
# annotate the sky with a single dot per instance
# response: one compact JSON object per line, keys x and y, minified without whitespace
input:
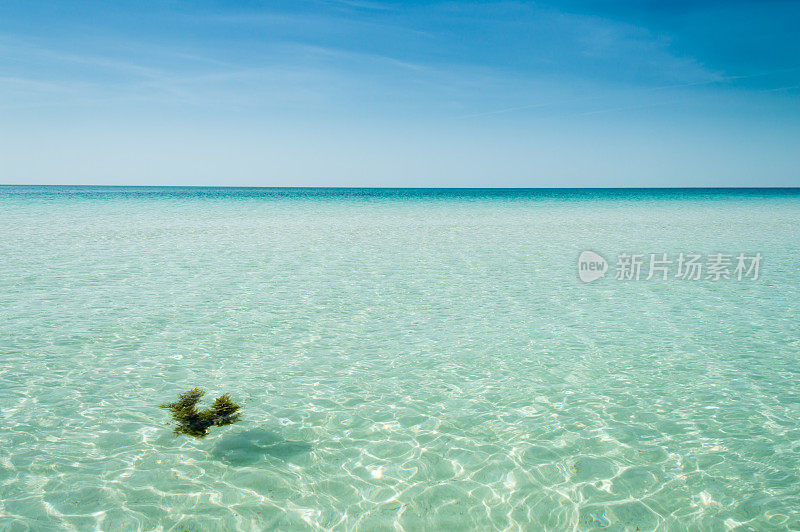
{"x":571,"y":93}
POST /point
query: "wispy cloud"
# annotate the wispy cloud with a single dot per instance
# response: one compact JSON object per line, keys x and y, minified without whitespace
{"x":668,"y":91}
{"x":363,"y":4}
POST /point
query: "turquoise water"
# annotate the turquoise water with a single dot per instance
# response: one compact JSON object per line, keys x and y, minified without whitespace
{"x":418,"y":360}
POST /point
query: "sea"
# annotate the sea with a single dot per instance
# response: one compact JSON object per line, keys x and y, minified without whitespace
{"x":405,"y":359}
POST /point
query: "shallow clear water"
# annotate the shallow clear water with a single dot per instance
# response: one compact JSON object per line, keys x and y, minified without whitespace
{"x":416,"y":360}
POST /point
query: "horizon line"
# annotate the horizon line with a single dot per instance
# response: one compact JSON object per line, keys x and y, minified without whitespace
{"x":345,"y":187}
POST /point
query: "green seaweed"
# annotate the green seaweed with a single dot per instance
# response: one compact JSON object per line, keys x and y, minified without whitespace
{"x":193,"y":422}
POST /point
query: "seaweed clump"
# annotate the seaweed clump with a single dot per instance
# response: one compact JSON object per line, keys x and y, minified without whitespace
{"x":193,"y":422}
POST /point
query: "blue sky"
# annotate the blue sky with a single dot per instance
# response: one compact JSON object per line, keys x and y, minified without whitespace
{"x":372,"y":93}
